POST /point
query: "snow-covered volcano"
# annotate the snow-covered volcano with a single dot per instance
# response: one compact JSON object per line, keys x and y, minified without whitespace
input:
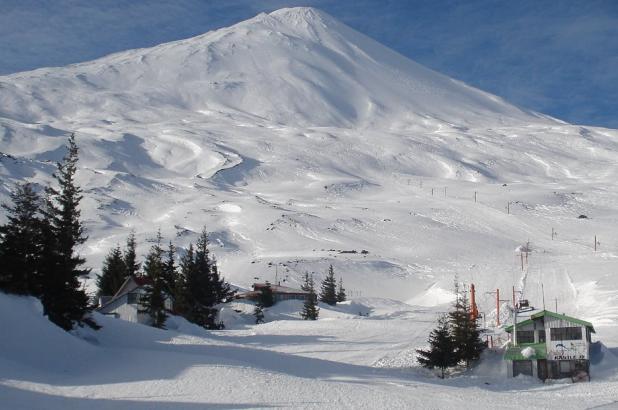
{"x":300,"y":142}
{"x":297,"y":67}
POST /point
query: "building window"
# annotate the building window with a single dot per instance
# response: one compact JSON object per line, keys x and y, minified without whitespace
{"x":542,"y":336}
{"x":566,"y":333}
{"x":132,"y":298}
{"x":525,"y":336}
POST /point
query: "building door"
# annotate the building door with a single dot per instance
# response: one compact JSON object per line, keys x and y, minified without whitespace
{"x":522,"y":367}
{"x":542,"y":369}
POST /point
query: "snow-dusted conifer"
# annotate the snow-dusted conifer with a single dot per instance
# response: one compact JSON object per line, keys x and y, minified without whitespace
{"x":328,"y":292}
{"x":258,"y":312}
{"x":64,"y":300}
{"x":130,"y":256}
{"x":465,"y":330}
{"x":113,"y":273}
{"x":183,"y":298}
{"x":341,"y":296}
{"x":20,"y":245}
{"x":310,"y":306}
{"x":170,"y":270}
{"x":153,"y":301}
{"x":441,"y":353}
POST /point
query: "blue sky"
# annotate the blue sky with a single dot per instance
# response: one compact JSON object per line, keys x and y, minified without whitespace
{"x":557,"y":57}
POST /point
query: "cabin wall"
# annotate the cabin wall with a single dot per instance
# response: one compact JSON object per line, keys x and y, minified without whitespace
{"x":566,"y":349}
{"x":125,"y":311}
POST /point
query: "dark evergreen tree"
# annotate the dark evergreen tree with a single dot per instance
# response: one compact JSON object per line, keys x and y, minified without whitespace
{"x":222,"y":290}
{"x":305,"y":285}
{"x":465,"y":330}
{"x":113,"y":273}
{"x":328,"y":293}
{"x":198,"y":287}
{"x":205,"y":286}
{"x":258,"y":312}
{"x":341,"y":296}
{"x":130,"y":256}
{"x":202,"y":288}
{"x":20,"y":243}
{"x":183,"y":297}
{"x":153,"y":300}
{"x":266,"y":298}
{"x":170,"y":271}
{"x":64,"y":300}
{"x":310,"y":306}
{"x":441,"y":353}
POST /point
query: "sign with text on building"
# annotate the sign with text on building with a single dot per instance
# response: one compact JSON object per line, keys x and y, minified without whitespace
{"x":567,"y":350}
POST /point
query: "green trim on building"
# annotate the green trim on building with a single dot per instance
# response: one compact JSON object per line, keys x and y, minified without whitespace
{"x":514,"y":352}
{"x":509,"y":329}
{"x":543,"y":313}
{"x":563,"y":317}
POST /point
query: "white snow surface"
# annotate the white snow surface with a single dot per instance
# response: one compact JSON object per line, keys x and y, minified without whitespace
{"x":297,"y":140}
{"x":341,"y":361}
{"x":528,"y":352}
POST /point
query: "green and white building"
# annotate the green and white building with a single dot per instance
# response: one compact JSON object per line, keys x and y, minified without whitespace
{"x":549,"y":345}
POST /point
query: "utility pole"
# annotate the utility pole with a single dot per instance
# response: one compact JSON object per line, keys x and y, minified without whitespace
{"x":513,"y":296}
{"x":514,"y":326}
{"x":498,"y":306}
{"x":474,"y":196}
{"x":556,"y":300}
{"x":431,"y":191}
{"x":474,"y":310}
{"x":508,"y":207}
{"x":595,"y":243}
{"x":521,"y":255}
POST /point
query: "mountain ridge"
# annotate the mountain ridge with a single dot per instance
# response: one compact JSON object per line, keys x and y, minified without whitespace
{"x":273,"y":68}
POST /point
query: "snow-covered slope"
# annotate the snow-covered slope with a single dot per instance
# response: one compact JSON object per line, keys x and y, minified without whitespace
{"x":297,"y":140}
{"x":343,"y":362}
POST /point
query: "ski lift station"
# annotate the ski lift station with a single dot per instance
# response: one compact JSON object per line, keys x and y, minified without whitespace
{"x":549,"y":345}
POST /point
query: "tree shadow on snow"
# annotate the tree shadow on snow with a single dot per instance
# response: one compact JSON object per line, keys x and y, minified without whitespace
{"x":18,"y":399}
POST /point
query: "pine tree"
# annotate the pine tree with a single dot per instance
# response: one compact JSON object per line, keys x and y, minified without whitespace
{"x":305,"y":284}
{"x":310,"y":306}
{"x":222,"y":290}
{"x":202,"y":287}
{"x":20,"y":243}
{"x":183,"y":298}
{"x":198,"y":287}
{"x":153,"y":300}
{"x":441,"y":352}
{"x":341,"y":296}
{"x":113,"y":273}
{"x":64,"y":300}
{"x":258,"y":312}
{"x":465,"y":331}
{"x":328,"y":293}
{"x":130,"y":256}
{"x":266,"y":298}
{"x":170,"y":271}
